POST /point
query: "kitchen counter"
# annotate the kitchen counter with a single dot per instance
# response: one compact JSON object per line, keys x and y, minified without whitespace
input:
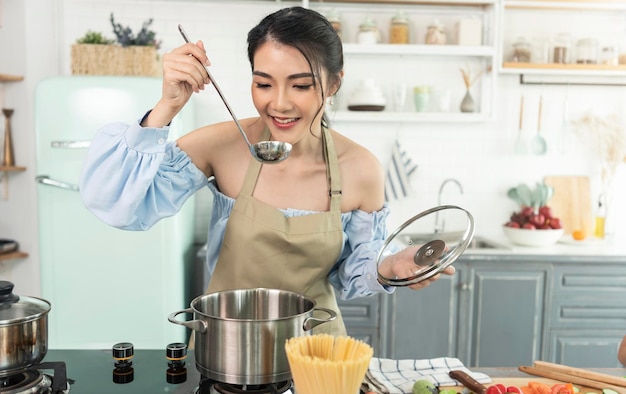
{"x":566,"y":250}
{"x":92,"y":372}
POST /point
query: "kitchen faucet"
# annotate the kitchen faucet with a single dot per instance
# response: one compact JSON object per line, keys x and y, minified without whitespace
{"x":439,"y":227}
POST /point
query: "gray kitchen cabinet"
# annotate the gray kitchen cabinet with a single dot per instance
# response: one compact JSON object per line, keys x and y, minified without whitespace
{"x":503,"y":311}
{"x":486,"y":315}
{"x":587,"y":315}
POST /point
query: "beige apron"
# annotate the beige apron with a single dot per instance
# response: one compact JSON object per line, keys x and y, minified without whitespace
{"x":263,"y":248}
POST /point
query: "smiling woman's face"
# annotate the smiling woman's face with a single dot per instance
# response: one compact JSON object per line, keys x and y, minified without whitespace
{"x":284,"y":93}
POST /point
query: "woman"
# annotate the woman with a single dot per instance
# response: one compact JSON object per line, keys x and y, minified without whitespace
{"x":307,"y":224}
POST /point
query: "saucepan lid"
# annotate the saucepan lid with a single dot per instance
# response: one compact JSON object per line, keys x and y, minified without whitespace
{"x":435,"y":238}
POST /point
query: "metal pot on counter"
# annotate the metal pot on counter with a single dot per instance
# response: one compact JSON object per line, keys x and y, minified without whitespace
{"x":240,"y":334}
{"x":23,"y":330}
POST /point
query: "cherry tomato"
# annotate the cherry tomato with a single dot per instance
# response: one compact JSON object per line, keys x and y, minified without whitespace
{"x":494,"y":389}
{"x":514,"y":390}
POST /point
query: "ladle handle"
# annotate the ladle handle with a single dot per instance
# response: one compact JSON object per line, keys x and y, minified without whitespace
{"x":219,"y":91}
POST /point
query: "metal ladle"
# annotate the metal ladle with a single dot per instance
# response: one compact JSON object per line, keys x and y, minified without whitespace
{"x":263,"y":151}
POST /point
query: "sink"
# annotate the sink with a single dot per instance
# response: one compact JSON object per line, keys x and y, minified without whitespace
{"x":479,"y":242}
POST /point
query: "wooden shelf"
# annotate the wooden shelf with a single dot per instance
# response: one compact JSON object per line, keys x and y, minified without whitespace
{"x":13,"y":256}
{"x":10,"y":78}
{"x":12,"y":169}
{"x":565,"y":67}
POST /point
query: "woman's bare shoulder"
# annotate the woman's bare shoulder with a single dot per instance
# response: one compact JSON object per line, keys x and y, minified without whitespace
{"x":361,"y":173}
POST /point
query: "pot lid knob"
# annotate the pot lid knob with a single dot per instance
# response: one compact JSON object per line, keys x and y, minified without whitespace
{"x":6,"y":293}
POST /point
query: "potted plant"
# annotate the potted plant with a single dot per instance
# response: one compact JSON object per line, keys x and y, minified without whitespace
{"x":127,"y":54}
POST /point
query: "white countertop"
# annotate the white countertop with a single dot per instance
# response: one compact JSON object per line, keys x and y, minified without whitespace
{"x":566,"y":247}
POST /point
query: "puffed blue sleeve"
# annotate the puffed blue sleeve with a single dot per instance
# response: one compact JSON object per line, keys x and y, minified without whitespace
{"x":132,"y":176}
{"x":356,"y":274}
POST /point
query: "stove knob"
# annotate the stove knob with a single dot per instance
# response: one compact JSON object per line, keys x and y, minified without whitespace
{"x":123,"y":353}
{"x":176,"y":351}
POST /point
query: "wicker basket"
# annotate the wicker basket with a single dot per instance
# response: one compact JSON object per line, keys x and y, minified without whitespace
{"x":97,"y":59}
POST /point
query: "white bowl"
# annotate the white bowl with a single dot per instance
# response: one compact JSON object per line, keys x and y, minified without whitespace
{"x":526,"y":237}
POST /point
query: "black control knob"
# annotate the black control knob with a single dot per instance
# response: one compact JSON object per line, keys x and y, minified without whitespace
{"x":176,"y":353}
{"x":123,"y":354}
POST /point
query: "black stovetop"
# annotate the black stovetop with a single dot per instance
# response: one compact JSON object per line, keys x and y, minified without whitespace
{"x":92,"y":372}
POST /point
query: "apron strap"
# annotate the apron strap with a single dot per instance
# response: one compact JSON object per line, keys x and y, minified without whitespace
{"x":332,"y":171}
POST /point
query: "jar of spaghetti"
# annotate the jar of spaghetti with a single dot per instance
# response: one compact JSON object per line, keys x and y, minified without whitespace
{"x":399,"y":29}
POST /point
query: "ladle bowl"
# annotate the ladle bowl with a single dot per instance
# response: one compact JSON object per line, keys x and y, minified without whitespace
{"x":263,"y":151}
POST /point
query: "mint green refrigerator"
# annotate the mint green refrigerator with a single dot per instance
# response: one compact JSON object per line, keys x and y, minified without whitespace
{"x":105,"y":285}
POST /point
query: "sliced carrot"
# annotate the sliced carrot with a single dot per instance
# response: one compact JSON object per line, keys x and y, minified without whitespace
{"x":540,"y":388}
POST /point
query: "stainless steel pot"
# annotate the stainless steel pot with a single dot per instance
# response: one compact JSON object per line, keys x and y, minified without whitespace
{"x":240,"y":334}
{"x":23,"y":330}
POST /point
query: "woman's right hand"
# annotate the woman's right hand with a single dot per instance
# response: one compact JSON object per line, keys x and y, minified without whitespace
{"x":183,"y":74}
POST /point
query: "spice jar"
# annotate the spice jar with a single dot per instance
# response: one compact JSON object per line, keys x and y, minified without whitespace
{"x":521,"y":51}
{"x":368,"y":32}
{"x":436,"y":34}
{"x":335,"y":20}
{"x":562,"y":48}
{"x":539,"y":50}
{"x":610,"y":56}
{"x":587,"y":51}
{"x":399,"y":30}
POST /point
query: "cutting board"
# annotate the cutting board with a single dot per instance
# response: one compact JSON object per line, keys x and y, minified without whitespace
{"x":571,"y":202}
{"x":519,"y":382}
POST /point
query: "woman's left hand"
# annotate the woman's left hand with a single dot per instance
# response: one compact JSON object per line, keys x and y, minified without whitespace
{"x":401,"y":265}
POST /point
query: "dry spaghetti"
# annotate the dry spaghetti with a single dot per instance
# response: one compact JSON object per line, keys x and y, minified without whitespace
{"x":327,"y":364}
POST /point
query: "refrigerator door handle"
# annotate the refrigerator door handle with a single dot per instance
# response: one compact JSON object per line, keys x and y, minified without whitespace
{"x":70,"y":144}
{"x":45,"y":179}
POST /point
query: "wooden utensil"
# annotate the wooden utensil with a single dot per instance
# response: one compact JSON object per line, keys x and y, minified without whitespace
{"x":571,"y":202}
{"x":563,"y":377}
{"x":539,"y":145}
{"x":520,"y":145}
{"x":580,"y":372}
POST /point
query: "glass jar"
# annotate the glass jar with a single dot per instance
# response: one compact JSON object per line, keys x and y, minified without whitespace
{"x":539,"y":50}
{"x":399,"y":29}
{"x":368,"y":32}
{"x":561,"y":50}
{"x":587,"y":51}
{"x":436,"y":34}
{"x":610,"y":56}
{"x":521,"y":51}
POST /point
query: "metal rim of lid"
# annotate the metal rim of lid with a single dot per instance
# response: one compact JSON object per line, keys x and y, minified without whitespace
{"x":431,"y":270}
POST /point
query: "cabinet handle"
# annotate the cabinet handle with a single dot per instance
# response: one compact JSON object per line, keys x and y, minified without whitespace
{"x":70,"y":144}
{"x":465,"y":286}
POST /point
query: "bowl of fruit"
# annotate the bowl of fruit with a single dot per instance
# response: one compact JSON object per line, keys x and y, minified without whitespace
{"x":534,"y":224}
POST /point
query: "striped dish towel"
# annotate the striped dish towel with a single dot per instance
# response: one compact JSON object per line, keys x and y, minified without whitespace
{"x":387,"y":376}
{"x":400,"y":168}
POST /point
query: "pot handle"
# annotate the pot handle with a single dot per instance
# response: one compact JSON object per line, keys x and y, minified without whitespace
{"x":312,"y":322}
{"x":196,"y":325}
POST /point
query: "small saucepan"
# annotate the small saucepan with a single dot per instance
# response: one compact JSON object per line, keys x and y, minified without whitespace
{"x":240,"y":334}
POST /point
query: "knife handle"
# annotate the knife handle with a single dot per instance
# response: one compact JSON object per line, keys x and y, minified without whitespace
{"x":468,"y":381}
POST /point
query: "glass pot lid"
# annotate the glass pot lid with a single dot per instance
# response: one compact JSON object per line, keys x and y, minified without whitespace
{"x":16,"y":309}
{"x":435,"y":238}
